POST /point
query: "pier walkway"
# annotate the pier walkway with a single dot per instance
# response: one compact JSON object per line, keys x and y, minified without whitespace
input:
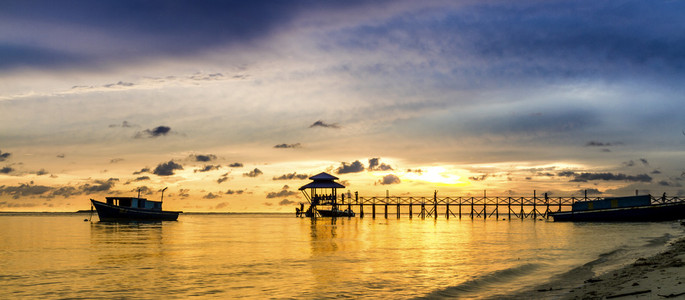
{"x":485,"y":207}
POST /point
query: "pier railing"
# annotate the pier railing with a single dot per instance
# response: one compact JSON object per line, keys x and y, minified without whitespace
{"x":472,"y":207}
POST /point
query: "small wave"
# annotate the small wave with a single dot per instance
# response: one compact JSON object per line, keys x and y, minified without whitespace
{"x":476,"y":285}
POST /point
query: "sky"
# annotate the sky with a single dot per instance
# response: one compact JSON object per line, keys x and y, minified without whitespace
{"x":232,"y":105}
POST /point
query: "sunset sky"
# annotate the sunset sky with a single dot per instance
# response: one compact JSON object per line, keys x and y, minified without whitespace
{"x":233,"y":104}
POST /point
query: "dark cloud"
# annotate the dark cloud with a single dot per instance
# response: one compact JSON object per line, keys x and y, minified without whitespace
{"x":286,"y":202}
{"x":584,"y":177}
{"x":590,"y":192}
{"x":418,"y":171}
{"x":224,"y":177}
{"x":323,"y":124}
{"x":644,"y":161}
{"x":601,"y":144}
{"x":42,"y":172}
{"x":288,"y":146}
{"x":60,"y":155}
{"x":221,"y":205}
{"x":254,"y":173}
{"x":236,"y":192}
{"x":236,"y":165}
{"x":124,"y":124}
{"x":211,"y":196}
{"x":4,"y":156}
{"x":143,"y":190}
{"x":66,"y":191}
{"x":208,"y":168}
{"x":376,"y":165}
{"x":143,"y":170}
{"x":6,"y":170}
{"x":98,"y":186}
{"x":479,"y":178}
{"x":389,"y":179}
{"x":167,"y":168}
{"x":115,"y":160}
{"x":284,"y":192}
{"x":203,"y":158}
{"x":354,"y":167}
{"x":291,"y":176}
{"x":184,"y":193}
{"x":153,"y":133}
{"x":24,"y":190}
{"x":629,"y":163}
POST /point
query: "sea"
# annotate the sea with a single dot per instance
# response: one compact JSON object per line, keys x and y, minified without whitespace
{"x":279,"y":256}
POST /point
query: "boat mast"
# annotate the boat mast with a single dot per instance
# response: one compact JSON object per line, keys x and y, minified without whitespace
{"x":164,"y":189}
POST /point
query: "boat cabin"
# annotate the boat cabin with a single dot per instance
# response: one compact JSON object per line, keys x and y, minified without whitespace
{"x":134,"y":202}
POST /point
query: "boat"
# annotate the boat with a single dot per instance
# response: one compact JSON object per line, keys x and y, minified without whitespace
{"x":622,"y":209}
{"x":334,"y":212}
{"x":132,"y":209}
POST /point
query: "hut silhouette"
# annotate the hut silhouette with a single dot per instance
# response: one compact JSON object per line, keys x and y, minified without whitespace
{"x":323,"y":197}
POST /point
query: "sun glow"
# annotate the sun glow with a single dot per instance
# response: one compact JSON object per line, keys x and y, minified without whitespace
{"x":439,"y":175}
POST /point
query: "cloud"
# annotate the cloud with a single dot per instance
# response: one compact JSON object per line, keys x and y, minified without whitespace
{"x":153,"y":133}
{"x":288,"y":146}
{"x":284,"y":192}
{"x":211,"y":196}
{"x":291,"y":176}
{"x":61,"y":155}
{"x":208,"y":168}
{"x":644,"y":161}
{"x":479,"y":178}
{"x":4,"y":156}
{"x":221,"y":205}
{"x":354,"y":167}
{"x":236,"y":165}
{"x":41,"y":172}
{"x":66,"y":191}
{"x":115,"y":160}
{"x":167,"y":168}
{"x":224,"y":177}
{"x":98,"y":186}
{"x":24,"y":190}
{"x":286,"y":202}
{"x":203,"y":158}
{"x":254,"y":173}
{"x":143,"y":170}
{"x":6,"y":170}
{"x":124,"y":124}
{"x":584,"y":177}
{"x":389,"y":179}
{"x":376,"y":165}
{"x":323,"y":124}
{"x":601,"y":144}
{"x":236,"y":192}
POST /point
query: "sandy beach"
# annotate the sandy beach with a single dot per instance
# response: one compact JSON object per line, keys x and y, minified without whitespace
{"x":661,"y":276}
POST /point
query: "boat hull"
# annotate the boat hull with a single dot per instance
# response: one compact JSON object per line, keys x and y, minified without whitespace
{"x":107,"y":212}
{"x":335,"y":213}
{"x":648,"y":213}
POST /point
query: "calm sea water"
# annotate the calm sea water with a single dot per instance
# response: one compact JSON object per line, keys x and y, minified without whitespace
{"x":280,"y":256}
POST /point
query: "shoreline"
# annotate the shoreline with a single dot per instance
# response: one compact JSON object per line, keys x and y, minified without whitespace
{"x":661,"y":276}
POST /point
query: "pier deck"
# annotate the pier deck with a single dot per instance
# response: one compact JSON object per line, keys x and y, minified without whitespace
{"x":486,"y":207}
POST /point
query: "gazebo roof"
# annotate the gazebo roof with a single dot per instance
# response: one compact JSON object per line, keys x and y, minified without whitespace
{"x":323,"y":176}
{"x":323,"y":180}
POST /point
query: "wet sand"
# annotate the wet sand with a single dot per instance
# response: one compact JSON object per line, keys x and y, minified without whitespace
{"x":658,"y":277}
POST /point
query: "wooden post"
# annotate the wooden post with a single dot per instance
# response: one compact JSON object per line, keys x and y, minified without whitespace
{"x":373,"y":208}
{"x":497,"y":208}
{"x":386,"y":209}
{"x":485,"y":205}
{"x":460,"y":200}
{"x":447,"y":209}
{"x":534,"y":208}
{"x":472,"y":208}
{"x":398,"y":207}
{"x":411,"y":202}
{"x":361,"y":205}
{"x":509,"y":208}
{"x":423,"y":210}
{"x":435,"y":204}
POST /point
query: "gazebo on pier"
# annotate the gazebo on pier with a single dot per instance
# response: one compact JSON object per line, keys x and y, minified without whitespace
{"x":323,"y":197}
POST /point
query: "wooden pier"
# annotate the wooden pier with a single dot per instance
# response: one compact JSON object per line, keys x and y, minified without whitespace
{"x":485,"y":207}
